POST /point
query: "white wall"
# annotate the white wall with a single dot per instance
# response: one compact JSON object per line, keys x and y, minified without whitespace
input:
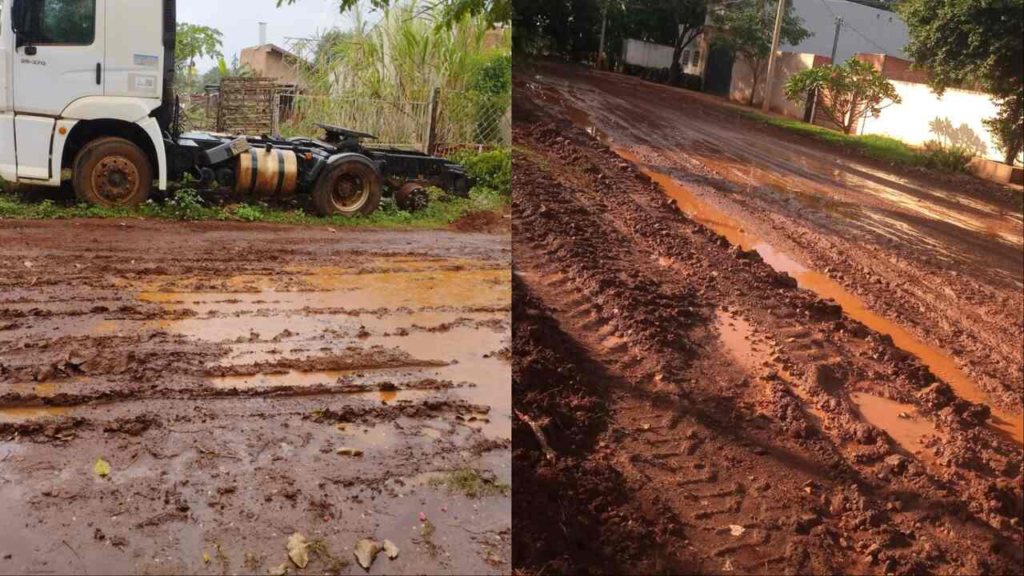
{"x":922,"y":116}
{"x":787,"y":64}
{"x":648,"y":55}
{"x":639,"y":53}
{"x":865,"y":30}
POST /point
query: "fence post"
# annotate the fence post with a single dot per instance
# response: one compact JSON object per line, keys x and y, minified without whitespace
{"x":435,"y":103}
{"x":275,"y":114}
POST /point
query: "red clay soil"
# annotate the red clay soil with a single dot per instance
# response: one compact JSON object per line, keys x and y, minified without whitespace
{"x":705,"y":415}
{"x":227,"y":373}
{"x":940,"y":256}
{"x":485,"y":221}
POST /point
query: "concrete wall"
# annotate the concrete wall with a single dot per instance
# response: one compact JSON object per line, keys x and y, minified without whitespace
{"x":787,"y":64}
{"x":956,"y":118}
{"x":648,"y":55}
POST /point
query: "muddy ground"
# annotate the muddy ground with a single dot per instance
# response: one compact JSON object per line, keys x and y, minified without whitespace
{"x":935,"y":260}
{"x":247,"y":382}
{"x":684,"y":407}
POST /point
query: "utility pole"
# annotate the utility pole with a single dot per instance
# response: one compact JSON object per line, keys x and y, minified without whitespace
{"x":604,"y":27}
{"x":835,"y":48}
{"x":835,"y":43}
{"x":766,"y":105}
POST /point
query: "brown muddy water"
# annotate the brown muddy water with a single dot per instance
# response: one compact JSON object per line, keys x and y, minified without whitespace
{"x":737,"y":233}
{"x":447,"y":316}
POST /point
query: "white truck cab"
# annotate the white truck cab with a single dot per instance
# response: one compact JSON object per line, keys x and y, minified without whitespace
{"x":81,"y":95}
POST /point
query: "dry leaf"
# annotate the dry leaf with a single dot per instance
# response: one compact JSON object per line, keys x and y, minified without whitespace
{"x":298,"y":550}
{"x":390,"y":549}
{"x":366,"y":551}
{"x":102,"y":467}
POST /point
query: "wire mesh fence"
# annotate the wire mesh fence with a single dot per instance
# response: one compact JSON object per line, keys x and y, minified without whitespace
{"x":395,"y":124}
{"x":450,"y":121}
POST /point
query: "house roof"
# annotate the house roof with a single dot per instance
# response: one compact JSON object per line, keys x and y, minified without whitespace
{"x":274,"y":48}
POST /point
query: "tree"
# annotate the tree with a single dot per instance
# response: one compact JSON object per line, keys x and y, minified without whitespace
{"x":449,"y":12}
{"x":688,"y":18}
{"x":195,"y":42}
{"x":747,"y":30}
{"x":848,"y":91}
{"x":973,"y":43}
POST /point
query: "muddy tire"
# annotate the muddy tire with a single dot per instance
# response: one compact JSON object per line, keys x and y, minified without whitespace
{"x":349,"y":188}
{"x":113,"y":173}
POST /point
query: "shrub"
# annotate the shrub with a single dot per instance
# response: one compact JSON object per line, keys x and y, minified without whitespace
{"x":847,"y":92}
{"x":946,"y":158}
{"x":491,"y":169}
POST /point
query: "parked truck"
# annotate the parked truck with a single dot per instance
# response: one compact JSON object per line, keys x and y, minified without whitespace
{"x":87,"y":97}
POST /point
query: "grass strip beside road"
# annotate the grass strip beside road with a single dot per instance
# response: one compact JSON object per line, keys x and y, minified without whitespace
{"x":874,"y":146}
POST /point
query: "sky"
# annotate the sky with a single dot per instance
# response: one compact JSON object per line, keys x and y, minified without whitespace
{"x":239,"y":21}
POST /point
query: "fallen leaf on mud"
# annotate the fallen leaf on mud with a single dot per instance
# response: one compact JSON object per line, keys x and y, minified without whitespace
{"x":728,"y":566}
{"x":279,"y":570}
{"x":102,"y":467}
{"x":493,"y":559}
{"x":366,"y":551}
{"x":390,"y":549}
{"x":736,"y":530}
{"x":298,"y":550}
{"x":354,"y":452}
{"x":206,"y":558}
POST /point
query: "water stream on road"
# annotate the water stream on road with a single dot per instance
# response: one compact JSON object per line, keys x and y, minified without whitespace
{"x":940,"y":363}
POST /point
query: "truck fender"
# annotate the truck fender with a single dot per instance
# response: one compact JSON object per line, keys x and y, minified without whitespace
{"x":152,"y":128}
{"x":114,"y":108}
{"x":339,"y":158}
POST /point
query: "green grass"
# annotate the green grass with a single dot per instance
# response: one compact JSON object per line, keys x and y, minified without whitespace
{"x":874,"y":146}
{"x":187,"y":204}
{"x":470,"y":483}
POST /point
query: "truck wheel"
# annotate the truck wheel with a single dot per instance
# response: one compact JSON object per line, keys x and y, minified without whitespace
{"x":113,"y":173}
{"x":412,"y":196}
{"x":350,"y":188}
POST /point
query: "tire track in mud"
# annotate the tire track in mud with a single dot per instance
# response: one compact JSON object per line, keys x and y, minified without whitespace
{"x":229,"y":393}
{"x":735,"y":403}
{"x":943,"y":283}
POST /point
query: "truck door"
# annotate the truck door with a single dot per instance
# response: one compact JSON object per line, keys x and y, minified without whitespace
{"x":59,"y":61}
{"x":134,"y":61}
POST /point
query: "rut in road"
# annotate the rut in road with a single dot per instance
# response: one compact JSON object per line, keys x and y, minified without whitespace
{"x":245,"y":383}
{"x":711,"y":417}
{"x":935,"y":256}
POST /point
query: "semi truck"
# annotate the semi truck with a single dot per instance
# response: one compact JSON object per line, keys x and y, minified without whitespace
{"x":87,"y":100}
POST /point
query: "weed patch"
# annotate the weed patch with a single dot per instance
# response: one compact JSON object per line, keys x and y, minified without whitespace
{"x":470,"y":483}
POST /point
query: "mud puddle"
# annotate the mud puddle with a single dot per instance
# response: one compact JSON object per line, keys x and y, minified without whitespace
{"x":450,"y":311}
{"x":735,"y":232}
{"x":938,"y":361}
{"x":21,"y":415}
{"x":900,"y":421}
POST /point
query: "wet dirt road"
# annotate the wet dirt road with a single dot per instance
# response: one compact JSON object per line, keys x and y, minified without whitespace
{"x":934,"y":261}
{"x":248,"y":382}
{"x":683,"y":406}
